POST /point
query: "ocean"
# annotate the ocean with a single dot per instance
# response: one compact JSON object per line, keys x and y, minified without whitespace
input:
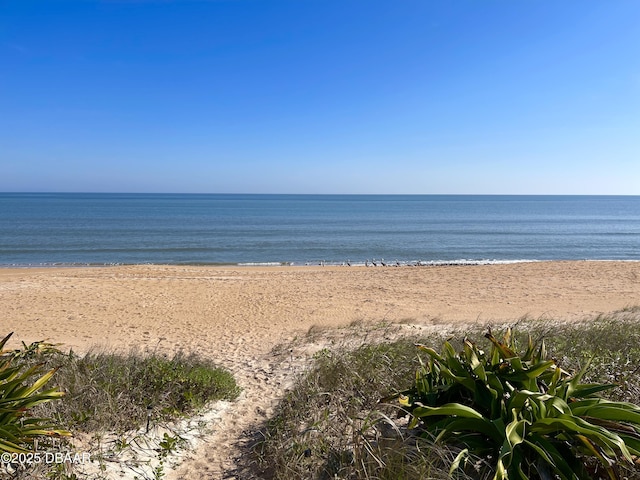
{"x":39,"y":229}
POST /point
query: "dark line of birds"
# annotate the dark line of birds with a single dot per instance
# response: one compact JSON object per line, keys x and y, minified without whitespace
{"x":381,"y":263}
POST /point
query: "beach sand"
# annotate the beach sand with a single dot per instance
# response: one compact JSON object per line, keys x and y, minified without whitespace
{"x":236,"y":315}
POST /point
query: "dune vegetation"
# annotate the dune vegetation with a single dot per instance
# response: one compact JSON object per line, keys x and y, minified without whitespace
{"x":95,"y":394}
{"x":541,"y":400}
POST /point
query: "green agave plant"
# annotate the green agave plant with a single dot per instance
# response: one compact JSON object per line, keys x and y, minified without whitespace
{"x":20,"y":390}
{"x":527,"y":416}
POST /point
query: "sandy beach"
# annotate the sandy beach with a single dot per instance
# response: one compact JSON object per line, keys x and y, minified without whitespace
{"x":208,"y":308}
{"x":236,"y":315}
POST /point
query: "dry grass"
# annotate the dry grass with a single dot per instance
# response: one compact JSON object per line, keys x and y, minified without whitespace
{"x":115,"y":392}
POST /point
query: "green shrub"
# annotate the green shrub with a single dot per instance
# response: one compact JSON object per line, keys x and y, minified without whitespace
{"x":21,"y":389}
{"x":524,"y":413}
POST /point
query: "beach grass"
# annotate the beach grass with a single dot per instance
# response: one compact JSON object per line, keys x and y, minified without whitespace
{"x":112,"y":400}
{"x":118,"y":392}
{"x":331,"y":424}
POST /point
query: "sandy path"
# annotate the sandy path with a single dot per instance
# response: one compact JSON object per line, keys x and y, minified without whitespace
{"x":236,"y":315}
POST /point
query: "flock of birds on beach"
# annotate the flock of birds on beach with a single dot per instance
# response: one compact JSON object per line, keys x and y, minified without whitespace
{"x":375,"y":264}
{"x":381,"y":263}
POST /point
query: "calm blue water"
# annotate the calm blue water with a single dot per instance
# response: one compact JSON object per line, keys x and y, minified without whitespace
{"x":49,"y":229}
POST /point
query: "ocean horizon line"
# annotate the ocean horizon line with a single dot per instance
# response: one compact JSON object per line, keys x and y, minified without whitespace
{"x":325,"y":194}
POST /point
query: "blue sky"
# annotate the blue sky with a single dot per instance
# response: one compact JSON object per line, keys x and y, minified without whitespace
{"x":320,"y":96}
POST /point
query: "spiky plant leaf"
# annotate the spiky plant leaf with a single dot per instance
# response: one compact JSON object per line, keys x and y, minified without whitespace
{"x":21,"y":388}
{"x":524,"y":411}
